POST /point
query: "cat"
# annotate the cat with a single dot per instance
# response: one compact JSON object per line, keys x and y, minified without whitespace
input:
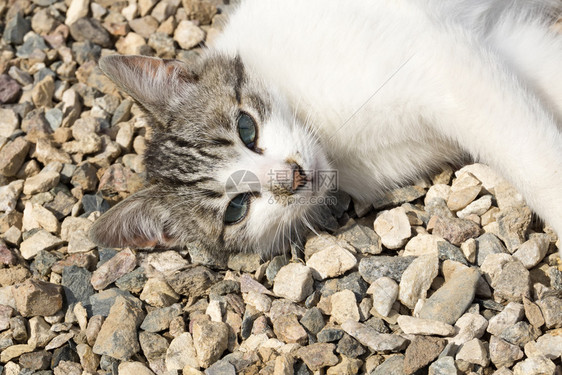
{"x":368,"y":93}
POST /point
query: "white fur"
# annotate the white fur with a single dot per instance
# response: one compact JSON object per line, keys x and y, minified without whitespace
{"x":394,"y":88}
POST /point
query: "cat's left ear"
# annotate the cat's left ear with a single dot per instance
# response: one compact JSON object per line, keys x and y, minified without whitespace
{"x":150,"y":81}
{"x":139,"y":221}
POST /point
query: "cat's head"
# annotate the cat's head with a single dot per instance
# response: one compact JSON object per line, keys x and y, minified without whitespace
{"x":230,"y":166}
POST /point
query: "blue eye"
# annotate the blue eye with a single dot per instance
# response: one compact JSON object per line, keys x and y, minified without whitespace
{"x":237,"y":209}
{"x":247,"y":130}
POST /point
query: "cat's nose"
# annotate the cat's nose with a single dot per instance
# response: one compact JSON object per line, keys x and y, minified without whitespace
{"x":299,"y":177}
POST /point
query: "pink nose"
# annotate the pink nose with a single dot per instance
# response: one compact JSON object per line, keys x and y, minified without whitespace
{"x":299,"y":178}
{"x":288,"y":177}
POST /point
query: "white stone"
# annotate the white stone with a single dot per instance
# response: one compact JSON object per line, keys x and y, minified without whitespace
{"x":7,"y":296}
{"x":158,"y":293}
{"x":8,"y":122}
{"x":98,"y":11}
{"x":531,"y":349}
{"x":254,"y":342}
{"x":531,"y":252}
{"x":493,"y":265}
{"x":124,"y":136}
{"x":463,"y":191}
{"x":165,"y":263}
{"x":40,"y":240}
{"x":441,"y":191}
{"x":130,"y":44}
{"x":260,"y":301}
{"x":12,"y":236}
{"x":74,"y":224}
{"x":331,"y":262}
{"x":510,"y":315}
{"x":478,"y":207}
{"x":550,"y":345}
{"x":81,"y":316}
{"x":188,"y":35}
{"x":181,"y":352}
{"x":12,"y":368}
{"x":9,"y":195}
{"x":418,"y":326}
{"x":417,"y":278}
{"x":274,"y":344}
{"x":59,"y":340}
{"x":423,"y":244}
{"x":325,"y":241}
{"x":344,"y":307}
{"x":39,"y":332}
{"x":215,"y":310}
{"x":80,"y":242}
{"x":463,"y":181}
{"x":76,"y":10}
{"x":385,"y":292}
{"x":537,"y":365}
{"x":134,"y":368}
{"x":368,"y":336}
{"x":486,"y":175}
{"x":507,"y":196}
{"x":165,"y":9}
{"x":503,"y":371}
{"x":468,"y":248}
{"x":365,"y":307}
{"x":41,"y":182}
{"x":294,"y":282}
{"x":145,"y":6}
{"x":37,"y":216}
{"x":459,"y":200}
{"x":130,"y":12}
{"x":468,"y":327}
{"x":393,"y":226}
{"x":474,"y":351}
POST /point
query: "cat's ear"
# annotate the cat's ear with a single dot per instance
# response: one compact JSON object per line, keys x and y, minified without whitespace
{"x":138,"y":222}
{"x":150,"y":81}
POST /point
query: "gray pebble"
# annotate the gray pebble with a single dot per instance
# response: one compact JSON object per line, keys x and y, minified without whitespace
{"x":16,"y":28}
{"x":450,"y":301}
{"x":488,"y":244}
{"x":393,"y":365}
{"x":76,"y":284}
{"x":372,"y":268}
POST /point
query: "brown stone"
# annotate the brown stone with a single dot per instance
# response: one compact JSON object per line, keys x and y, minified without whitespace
{"x":10,"y":90}
{"x":118,"y":335}
{"x":14,"y":275}
{"x":12,"y":156}
{"x":84,"y":260}
{"x":36,"y":297}
{"x":121,"y":264}
{"x":421,"y":352}
{"x":200,"y":10}
{"x":210,"y":340}
{"x":317,"y":356}
{"x":456,"y":231}
{"x":36,"y":361}
{"x":533,"y":313}
{"x":288,"y":329}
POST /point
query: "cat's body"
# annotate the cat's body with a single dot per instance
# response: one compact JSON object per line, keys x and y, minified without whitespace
{"x":381,"y":91}
{"x":393,"y":93}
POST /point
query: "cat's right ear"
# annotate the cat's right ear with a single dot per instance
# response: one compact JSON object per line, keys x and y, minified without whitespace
{"x":137,"y":222}
{"x":152,"y":82}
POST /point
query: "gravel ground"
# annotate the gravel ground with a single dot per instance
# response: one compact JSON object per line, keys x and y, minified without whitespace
{"x":449,"y":276}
